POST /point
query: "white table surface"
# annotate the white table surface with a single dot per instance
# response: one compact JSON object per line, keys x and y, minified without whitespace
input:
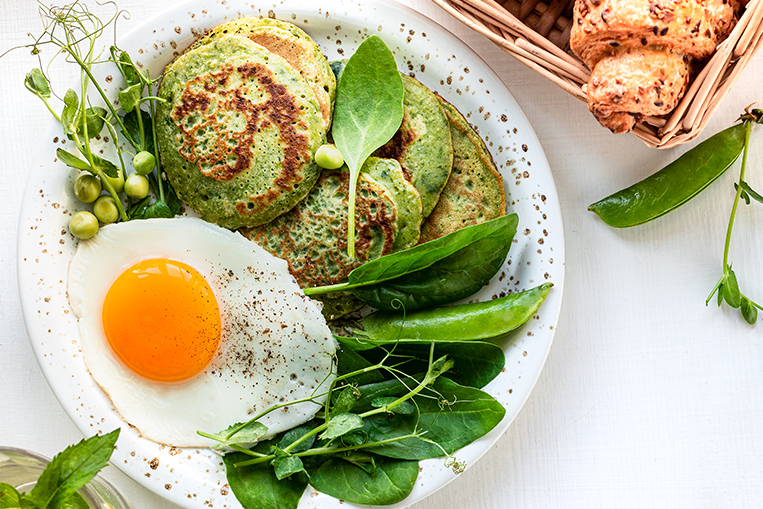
{"x":648,"y":399}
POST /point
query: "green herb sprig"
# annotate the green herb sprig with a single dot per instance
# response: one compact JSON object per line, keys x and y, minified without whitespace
{"x":67,"y":472}
{"x":73,"y":31}
{"x":368,"y":112}
{"x":682,"y":180}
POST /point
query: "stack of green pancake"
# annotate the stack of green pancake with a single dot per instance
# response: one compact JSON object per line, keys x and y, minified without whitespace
{"x":246,"y":108}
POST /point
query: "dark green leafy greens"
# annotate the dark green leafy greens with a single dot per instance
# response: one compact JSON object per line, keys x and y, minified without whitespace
{"x":437,"y":272}
{"x":368,"y":112}
{"x":68,"y":472}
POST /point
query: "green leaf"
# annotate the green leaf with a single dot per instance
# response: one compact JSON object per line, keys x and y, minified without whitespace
{"x":249,"y":434}
{"x":390,"y":482}
{"x":476,"y":362}
{"x":368,"y":111}
{"x":69,"y":113}
{"x":257,"y":487}
{"x":675,"y":184}
{"x":125,"y":65}
{"x":751,"y":193}
{"x":449,"y":414}
{"x":37,"y":83}
{"x":133,"y":130}
{"x":70,"y":159}
{"x":438,"y":272}
{"x":158,"y":209}
{"x":730,"y":290}
{"x":130,"y":97}
{"x":72,"y":468}
{"x":346,"y":400}
{"x":295,"y":434}
{"x":341,"y":425}
{"x":106,"y":166}
{"x":749,"y":311}
{"x":76,"y":501}
{"x":286,"y":465}
{"x":94,"y":118}
{"x":404,"y":408}
{"x":349,"y":361}
{"x":9,"y":496}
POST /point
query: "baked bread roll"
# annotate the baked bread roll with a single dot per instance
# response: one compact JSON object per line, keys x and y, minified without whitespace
{"x":640,"y":52}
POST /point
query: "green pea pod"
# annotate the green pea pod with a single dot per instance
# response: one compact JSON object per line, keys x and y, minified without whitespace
{"x":480,"y":320}
{"x":675,"y":184}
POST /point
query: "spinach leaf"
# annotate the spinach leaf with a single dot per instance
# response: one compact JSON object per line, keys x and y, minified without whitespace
{"x":257,"y":487}
{"x":455,"y":267}
{"x":368,"y":112}
{"x":71,"y":469}
{"x":476,"y":362}
{"x":388,"y":483}
{"x":437,"y":272}
{"x":450,"y":414}
{"x":349,"y":361}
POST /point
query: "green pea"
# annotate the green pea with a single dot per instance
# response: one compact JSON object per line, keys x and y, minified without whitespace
{"x":83,"y":225}
{"x":118,"y":182}
{"x":87,"y":188}
{"x":328,"y":156}
{"x":136,"y":186}
{"x":105,"y":209}
{"x":479,"y":320}
{"x":144,"y":162}
{"x":675,"y":184}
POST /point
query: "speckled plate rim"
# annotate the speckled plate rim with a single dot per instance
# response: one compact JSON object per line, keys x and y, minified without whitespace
{"x":195,"y":478}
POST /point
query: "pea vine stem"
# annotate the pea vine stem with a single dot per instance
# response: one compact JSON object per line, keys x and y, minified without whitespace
{"x":737,"y":197}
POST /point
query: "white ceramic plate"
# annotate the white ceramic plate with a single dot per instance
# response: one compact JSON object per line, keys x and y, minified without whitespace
{"x":195,"y":478}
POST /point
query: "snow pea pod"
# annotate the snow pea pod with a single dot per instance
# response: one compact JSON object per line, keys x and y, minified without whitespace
{"x":675,"y":184}
{"x":474,"y":321}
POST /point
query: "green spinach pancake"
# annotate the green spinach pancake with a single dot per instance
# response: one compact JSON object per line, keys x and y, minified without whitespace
{"x":238,"y":131}
{"x":312,"y":237}
{"x":294,"y":45}
{"x":474,"y":192}
{"x":422,"y":145}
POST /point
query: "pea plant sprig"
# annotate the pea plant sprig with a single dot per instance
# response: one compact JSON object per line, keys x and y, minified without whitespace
{"x":682,"y":180}
{"x":73,"y":31}
{"x":727,"y":287}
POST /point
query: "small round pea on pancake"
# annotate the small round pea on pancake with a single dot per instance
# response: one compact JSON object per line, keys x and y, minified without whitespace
{"x":293,"y":44}
{"x":312,"y":237}
{"x":408,"y":200}
{"x":422,"y":145}
{"x":238,"y":132}
{"x":474,"y":192}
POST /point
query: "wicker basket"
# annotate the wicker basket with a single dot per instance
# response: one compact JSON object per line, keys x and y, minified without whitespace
{"x":538,"y":35}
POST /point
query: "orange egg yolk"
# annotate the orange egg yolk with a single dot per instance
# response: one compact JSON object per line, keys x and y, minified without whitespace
{"x":162,"y":320}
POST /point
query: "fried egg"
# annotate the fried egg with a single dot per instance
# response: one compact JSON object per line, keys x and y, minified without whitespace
{"x":188,"y":326}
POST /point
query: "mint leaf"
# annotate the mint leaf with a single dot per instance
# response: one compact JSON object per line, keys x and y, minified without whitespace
{"x":9,"y":496}
{"x":71,"y":469}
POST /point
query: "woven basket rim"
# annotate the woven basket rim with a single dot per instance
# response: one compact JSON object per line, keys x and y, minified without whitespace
{"x":704,"y":94}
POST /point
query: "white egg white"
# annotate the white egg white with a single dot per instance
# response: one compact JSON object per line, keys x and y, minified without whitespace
{"x":275,"y":345}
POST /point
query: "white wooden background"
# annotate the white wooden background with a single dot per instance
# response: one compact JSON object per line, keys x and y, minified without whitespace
{"x":649,"y":399}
